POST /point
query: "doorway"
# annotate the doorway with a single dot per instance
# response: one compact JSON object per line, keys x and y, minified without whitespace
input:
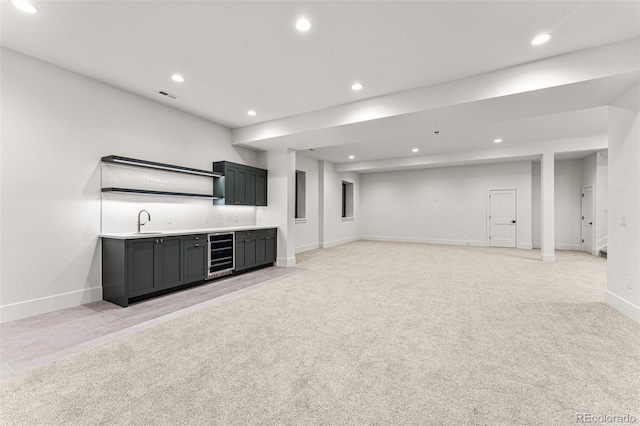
{"x":502,"y":218}
{"x":587,"y":218}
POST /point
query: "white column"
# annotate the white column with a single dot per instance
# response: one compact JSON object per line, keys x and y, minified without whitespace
{"x":280,"y":210}
{"x":547,"y":194}
{"x":321,"y":202}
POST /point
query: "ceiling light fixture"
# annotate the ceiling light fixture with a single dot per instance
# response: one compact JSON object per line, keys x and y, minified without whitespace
{"x":303,"y":25}
{"x":357,"y":86}
{"x":177,"y":78}
{"x":251,"y":113}
{"x":415,"y":150}
{"x":497,"y":140}
{"x":24,"y":6}
{"x":351,"y":157}
{"x":540,"y":39}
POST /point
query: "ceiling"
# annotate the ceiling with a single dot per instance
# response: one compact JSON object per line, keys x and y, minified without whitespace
{"x":237,"y":56}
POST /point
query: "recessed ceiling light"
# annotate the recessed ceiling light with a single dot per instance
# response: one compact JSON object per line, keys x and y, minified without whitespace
{"x":303,"y":25}
{"x":415,"y":150}
{"x":177,"y":78}
{"x":541,"y":39}
{"x":24,"y":6}
{"x":497,"y":140}
{"x":251,"y":112}
{"x":351,"y":157}
{"x":357,"y":86}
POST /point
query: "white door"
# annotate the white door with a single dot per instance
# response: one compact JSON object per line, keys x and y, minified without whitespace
{"x":502,"y":218}
{"x":587,"y":219}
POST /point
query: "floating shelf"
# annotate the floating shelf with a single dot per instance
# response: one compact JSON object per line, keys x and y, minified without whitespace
{"x":159,"y":166}
{"x":165,"y":193}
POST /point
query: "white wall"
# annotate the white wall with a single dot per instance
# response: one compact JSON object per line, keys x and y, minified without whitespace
{"x":120,"y":211}
{"x":602,"y":199}
{"x":567,"y":201}
{"x":442,"y":205}
{"x":56,"y":125}
{"x":623,"y":272}
{"x":307,"y":229}
{"x":334,"y":229}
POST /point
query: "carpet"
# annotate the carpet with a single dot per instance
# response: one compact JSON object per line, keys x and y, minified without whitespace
{"x":372,"y":333}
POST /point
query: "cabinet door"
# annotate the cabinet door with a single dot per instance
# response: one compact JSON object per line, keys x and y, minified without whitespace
{"x":250,"y":252}
{"x":230,"y":186}
{"x":169,"y":262}
{"x":251,"y":189}
{"x":194,"y":265}
{"x":261,"y":189}
{"x":271,"y":246}
{"x":141,"y":267}
{"x":240,"y":257}
{"x":261,"y":249}
{"x":241,"y":187}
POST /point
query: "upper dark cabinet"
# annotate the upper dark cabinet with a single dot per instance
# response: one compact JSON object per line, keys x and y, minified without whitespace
{"x":242,"y":185}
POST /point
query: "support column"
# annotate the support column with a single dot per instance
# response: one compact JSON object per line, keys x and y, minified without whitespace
{"x":280,"y":210}
{"x":547,"y":195}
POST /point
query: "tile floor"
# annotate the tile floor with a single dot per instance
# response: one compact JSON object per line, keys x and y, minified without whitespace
{"x":42,"y":339}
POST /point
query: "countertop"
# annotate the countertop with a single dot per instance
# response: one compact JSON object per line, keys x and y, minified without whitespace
{"x":153,"y":234}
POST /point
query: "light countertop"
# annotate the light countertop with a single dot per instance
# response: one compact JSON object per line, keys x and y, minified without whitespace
{"x":153,"y":234}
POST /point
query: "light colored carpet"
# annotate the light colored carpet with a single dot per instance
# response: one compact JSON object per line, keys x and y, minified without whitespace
{"x":367,"y":333}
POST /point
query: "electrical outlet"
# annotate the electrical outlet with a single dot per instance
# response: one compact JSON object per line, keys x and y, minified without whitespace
{"x":169,"y":220}
{"x":623,"y":220}
{"x":630,"y":283}
{"x":205,"y":219}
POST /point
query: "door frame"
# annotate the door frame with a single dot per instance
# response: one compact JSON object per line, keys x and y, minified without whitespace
{"x":593,"y":217}
{"x":488,"y":216}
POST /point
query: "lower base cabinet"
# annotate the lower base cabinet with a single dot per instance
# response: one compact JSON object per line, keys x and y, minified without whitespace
{"x":153,"y":264}
{"x":255,"y":248}
{"x":139,"y":268}
{"x":194,"y":252}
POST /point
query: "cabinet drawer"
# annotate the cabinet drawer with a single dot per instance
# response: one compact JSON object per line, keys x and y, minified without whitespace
{"x":264,"y":233}
{"x":200,"y":238}
{"x":246,"y":235}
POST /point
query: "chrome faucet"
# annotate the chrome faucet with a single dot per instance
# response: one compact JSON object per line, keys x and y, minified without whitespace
{"x":142,"y":224}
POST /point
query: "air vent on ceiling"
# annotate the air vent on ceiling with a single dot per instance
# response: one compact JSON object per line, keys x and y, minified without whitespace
{"x":167,"y":94}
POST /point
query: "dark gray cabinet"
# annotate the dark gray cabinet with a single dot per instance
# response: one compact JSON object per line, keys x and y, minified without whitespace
{"x":261,"y":189}
{"x":168,"y":262}
{"x":242,"y":185}
{"x":133,"y":269}
{"x":195,"y":258}
{"x":141,"y":267}
{"x":153,"y":264}
{"x":255,"y":248}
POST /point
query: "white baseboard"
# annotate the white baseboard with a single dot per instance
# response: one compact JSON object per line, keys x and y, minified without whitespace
{"x":548,"y":257}
{"x":339,"y":242}
{"x":575,"y":247}
{"x":525,"y":246}
{"x":475,"y":243}
{"x":286,"y":262}
{"x":307,"y":247}
{"x":626,"y":308}
{"x":29,"y":308}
